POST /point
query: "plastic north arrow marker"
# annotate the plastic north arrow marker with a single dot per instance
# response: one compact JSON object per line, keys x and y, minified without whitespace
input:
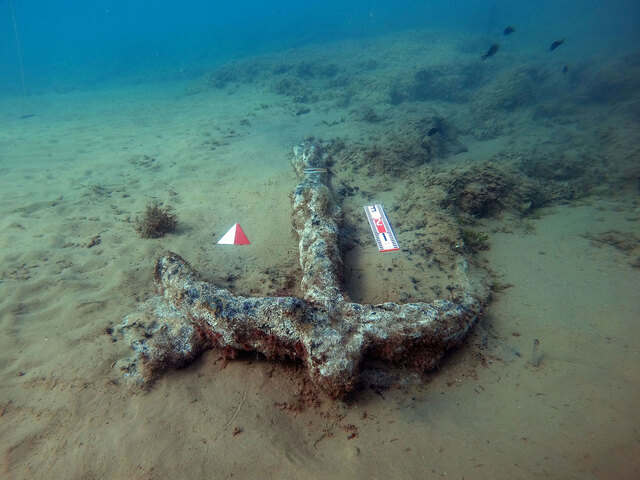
{"x":234,"y":236}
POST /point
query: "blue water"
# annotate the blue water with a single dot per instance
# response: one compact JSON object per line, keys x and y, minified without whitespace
{"x":79,"y":42}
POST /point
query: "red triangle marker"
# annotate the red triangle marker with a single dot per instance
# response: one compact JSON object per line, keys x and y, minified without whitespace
{"x":234,"y":236}
{"x":241,"y":238}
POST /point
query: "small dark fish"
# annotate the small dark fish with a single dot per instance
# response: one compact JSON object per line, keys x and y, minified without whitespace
{"x":491,"y":52}
{"x":432,"y":132}
{"x":556,"y":44}
{"x":28,"y":115}
{"x":565,"y":69}
{"x":303,"y":111}
{"x":508,"y":31}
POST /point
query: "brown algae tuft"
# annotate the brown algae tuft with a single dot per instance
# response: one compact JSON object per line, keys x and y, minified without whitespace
{"x":156,"y":221}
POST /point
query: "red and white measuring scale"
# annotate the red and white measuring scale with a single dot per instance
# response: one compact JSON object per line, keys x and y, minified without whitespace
{"x":382,"y":231}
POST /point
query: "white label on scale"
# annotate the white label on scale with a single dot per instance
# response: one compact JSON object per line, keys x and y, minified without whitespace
{"x":382,"y":232}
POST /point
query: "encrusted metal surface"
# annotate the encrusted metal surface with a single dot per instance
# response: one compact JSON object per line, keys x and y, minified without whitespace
{"x":330,"y":334}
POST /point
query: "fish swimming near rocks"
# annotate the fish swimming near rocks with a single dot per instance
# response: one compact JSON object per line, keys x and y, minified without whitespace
{"x":556,"y":44}
{"x":491,"y":52}
{"x":509,"y":30}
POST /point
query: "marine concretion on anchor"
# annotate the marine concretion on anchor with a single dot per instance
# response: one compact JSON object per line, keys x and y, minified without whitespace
{"x":323,"y":329}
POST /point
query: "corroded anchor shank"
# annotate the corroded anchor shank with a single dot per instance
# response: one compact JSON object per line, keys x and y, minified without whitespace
{"x":315,"y":218}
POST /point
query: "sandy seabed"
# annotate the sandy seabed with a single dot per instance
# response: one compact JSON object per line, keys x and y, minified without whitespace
{"x":547,"y":384}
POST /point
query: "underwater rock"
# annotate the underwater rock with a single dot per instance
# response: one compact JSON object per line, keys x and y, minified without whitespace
{"x":294,"y":88}
{"x":449,"y":82}
{"x":616,"y":81}
{"x":441,"y":139}
{"x":509,"y":91}
{"x":324,"y":330}
{"x":397,"y":151}
{"x":488,"y":189}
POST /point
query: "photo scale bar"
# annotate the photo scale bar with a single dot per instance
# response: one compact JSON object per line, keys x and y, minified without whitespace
{"x":381,"y":229}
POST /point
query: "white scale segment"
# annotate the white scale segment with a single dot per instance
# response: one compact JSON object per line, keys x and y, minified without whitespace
{"x":382,"y":231}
